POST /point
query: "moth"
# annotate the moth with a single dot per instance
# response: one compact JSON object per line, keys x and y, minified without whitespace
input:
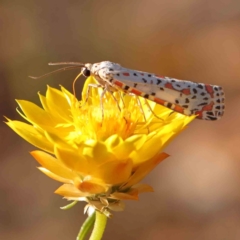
{"x":182,"y":96}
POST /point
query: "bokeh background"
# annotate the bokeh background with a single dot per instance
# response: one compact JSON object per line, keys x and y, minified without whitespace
{"x":197,"y":193}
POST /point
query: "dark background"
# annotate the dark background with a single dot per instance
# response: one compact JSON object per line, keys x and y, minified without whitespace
{"x":197,"y":192}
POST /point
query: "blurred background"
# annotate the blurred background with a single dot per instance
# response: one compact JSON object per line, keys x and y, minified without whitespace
{"x":197,"y":194}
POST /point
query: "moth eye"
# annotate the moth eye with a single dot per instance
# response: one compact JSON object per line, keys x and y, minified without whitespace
{"x":86,"y":72}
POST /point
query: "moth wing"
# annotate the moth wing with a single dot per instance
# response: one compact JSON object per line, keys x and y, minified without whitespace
{"x":206,"y":101}
{"x":163,"y":96}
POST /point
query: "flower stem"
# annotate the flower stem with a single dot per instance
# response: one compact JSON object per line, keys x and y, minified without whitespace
{"x":87,"y":225}
{"x":70,"y":205}
{"x":99,"y":226}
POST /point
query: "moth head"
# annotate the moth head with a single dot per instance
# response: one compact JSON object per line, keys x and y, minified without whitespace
{"x":87,"y":69}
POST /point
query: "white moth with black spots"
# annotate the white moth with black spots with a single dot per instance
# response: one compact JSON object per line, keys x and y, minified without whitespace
{"x":186,"y":97}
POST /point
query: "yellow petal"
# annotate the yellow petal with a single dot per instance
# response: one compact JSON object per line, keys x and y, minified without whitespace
{"x":138,"y":140}
{"x":57,"y":137}
{"x":141,"y":188}
{"x":42,"y":119}
{"x":113,"y":141}
{"x":117,"y":206}
{"x":54,"y":176}
{"x":129,"y":146}
{"x":71,"y":99}
{"x":154,"y":143}
{"x":92,"y":187}
{"x":43,"y":101}
{"x":69,"y":190}
{"x":111,"y":171}
{"x":88,"y":82}
{"x":57,"y":104}
{"x":73,"y":159}
{"x":53,"y":165}
{"x":35,"y":114}
{"x":55,"y":96}
{"x":131,"y":195}
{"x":144,"y":169}
{"x":97,"y":151}
{"x":114,"y":172}
{"x":31,"y":134}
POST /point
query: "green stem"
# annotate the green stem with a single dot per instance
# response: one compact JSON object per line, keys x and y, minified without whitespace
{"x":70,"y":205}
{"x":87,"y":225}
{"x":99,"y":226}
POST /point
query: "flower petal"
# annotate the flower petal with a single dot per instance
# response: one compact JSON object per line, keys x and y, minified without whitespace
{"x":90,"y":80}
{"x":114,"y":172}
{"x":57,"y":104}
{"x":113,"y":141}
{"x":117,"y":206}
{"x":53,"y":165}
{"x":129,"y":146}
{"x":69,"y":190}
{"x":97,"y":151}
{"x":92,"y":187}
{"x":144,"y":169}
{"x":154,"y":143}
{"x":73,"y":159}
{"x":54,"y":176}
{"x":31,"y":135}
{"x":142,"y":188}
{"x":35,"y":114}
{"x":130,"y":195}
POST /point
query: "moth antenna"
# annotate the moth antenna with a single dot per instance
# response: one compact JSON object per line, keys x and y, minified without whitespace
{"x":55,"y":71}
{"x":67,"y":63}
{"x":76,"y":78}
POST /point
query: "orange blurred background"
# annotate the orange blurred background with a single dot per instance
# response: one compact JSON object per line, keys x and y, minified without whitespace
{"x":197,"y":192}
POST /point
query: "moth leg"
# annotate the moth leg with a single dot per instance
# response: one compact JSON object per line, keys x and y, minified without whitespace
{"x":119,"y":108}
{"x":171,"y":113}
{"x":120,"y":94}
{"x":105,"y":89}
{"x":111,"y":92}
{"x":141,"y":109}
{"x":90,"y":86}
{"x":149,"y":107}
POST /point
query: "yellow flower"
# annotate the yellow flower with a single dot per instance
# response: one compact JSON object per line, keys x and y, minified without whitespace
{"x":100,"y":148}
